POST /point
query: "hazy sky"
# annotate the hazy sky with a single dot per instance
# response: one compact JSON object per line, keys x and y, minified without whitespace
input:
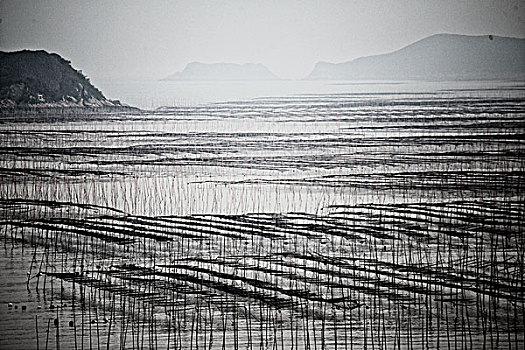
{"x":152,"y":39}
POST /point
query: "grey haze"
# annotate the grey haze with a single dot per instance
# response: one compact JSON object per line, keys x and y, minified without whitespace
{"x":152,"y":39}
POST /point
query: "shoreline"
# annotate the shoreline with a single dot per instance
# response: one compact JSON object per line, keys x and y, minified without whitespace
{"x":29,"y":113}
{"x":65,"y":109}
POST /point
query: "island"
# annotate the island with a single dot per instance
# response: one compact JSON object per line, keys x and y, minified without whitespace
{"x":222,"y":72}
{"x":436,"y":58}
{"x":42,"y":80}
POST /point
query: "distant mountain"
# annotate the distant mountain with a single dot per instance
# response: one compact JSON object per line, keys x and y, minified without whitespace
{"x":39,"y":78}
{"x":438,"y":57}
{"x":223,"y":71}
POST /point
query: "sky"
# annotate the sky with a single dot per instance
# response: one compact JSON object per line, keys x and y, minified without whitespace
{"x":152,"y":39}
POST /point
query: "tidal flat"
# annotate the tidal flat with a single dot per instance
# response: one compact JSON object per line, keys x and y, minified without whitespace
{"x":379,"y":220}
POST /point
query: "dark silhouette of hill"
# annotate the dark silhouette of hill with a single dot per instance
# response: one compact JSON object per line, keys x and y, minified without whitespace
{"x":438,"y":57}
{"x":39,"y":78}
{"x":223,"y":71}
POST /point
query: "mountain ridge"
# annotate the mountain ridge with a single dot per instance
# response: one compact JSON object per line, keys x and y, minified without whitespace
{"x":41,"y":79}
{"x":437,"y":57}
{"x":198,"y":71}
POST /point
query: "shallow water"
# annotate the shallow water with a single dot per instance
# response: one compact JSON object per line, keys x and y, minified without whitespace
{"x":385,"y":215}
{"x":149,"y":94}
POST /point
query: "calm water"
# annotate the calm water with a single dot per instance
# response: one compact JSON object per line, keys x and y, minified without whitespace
{"x":154,"y":94}
{"x":292,"y":214}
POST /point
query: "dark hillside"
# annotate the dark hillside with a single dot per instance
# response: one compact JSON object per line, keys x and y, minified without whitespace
{"x":42,"y":78}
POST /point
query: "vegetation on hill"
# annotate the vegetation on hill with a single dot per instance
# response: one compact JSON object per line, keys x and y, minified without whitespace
{"x":34,"y":78}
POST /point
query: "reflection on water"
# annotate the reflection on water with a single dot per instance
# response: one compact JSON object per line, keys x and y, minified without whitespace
{"x":363,"y":215}
{"x":153,"y":94}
